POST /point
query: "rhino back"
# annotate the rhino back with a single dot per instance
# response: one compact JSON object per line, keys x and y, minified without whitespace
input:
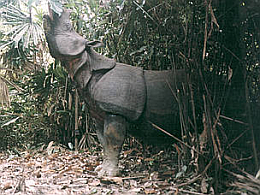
{"x":121,"y":91}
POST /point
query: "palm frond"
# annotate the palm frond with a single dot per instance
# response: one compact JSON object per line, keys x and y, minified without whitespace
{"x":7,"y":2}
{"x":13,"y":15}
{"x":23,"y":29}
{"x":56,"y":6}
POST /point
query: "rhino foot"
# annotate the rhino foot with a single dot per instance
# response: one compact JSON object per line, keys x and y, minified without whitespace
{"x":107,"y":168}
{"x":111,"y":137}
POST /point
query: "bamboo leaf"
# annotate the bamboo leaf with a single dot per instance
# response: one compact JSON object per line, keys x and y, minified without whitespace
{"x":11,"y":121}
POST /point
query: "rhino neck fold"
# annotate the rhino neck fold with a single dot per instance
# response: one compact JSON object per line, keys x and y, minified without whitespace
{"x":81,"y":69}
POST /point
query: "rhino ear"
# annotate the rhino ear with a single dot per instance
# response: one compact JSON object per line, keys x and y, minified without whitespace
{"x":99,"y":62}
{"x":94,"y":44}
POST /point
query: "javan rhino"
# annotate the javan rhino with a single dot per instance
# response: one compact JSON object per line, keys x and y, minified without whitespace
{"x":117,"y":94}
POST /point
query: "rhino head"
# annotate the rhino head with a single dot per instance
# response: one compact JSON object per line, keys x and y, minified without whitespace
{"x":72,"y":49}
{"x":64,"y":42}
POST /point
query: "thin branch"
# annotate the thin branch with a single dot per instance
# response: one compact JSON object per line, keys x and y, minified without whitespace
{"x":11,"y":83}
{"x":198,"y":176}
{"x":177,"y":139}
{"x":145,"y":12}
{"x":233,"y":120}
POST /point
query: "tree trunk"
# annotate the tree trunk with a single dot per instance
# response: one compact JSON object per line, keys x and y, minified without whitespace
{"x":231,"y":25}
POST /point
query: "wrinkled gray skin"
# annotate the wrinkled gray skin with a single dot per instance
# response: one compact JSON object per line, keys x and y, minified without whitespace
{"x":117,"y":94}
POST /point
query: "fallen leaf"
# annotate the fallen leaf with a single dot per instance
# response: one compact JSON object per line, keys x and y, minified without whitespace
{"x":167,"y":173}
{"x":7,"y":185}
{"x":38,"y":174}
{"x":118,"y":180}
{"x":148,"y":159}
{"x":95,"y":182}
{"x":30,"y":164}
{"x":64,"y":187}
{"x":30,"y":182}
{"x":53,"y":156}
{"x":149,"y":191}
{"x":204,"y":186}
{"x":49,"y":148}
{"x":148,"y":184}
{"x":135,"y":190}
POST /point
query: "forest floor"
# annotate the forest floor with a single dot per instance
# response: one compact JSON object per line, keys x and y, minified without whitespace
{"x":54,"y":169}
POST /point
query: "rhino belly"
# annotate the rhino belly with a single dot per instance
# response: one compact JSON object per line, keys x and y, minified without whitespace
{"x":162,"y":106}
{"x":121,"y":91}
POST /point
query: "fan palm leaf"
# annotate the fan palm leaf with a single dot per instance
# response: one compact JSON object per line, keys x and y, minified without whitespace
{"x":23,"y":28}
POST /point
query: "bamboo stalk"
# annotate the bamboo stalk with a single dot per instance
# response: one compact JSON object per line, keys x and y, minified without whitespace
{"x":251,"y":125}
{"x":76,"y":119}
{"x":205,"y":32}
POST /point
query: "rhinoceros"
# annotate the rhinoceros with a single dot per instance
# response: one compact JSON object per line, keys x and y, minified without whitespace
{"x":117,"y":94}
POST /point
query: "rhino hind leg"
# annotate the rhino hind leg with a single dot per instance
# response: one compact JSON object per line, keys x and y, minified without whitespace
{"x":111,"y":138}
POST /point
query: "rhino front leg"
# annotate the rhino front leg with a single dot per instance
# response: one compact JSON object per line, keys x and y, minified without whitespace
{"x":111,"y":138}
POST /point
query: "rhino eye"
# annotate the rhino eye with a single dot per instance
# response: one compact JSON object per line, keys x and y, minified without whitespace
{"x":67,"y":27}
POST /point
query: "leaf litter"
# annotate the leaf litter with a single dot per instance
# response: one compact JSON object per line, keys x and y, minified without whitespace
{"x":55,"y":169}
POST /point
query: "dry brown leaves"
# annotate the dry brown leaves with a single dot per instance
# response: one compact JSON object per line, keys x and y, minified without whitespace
{"x":55,"y":170}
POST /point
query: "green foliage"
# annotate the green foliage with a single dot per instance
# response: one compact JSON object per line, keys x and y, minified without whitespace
{"x":21,"y":125}
{"x":46,"y":84}
{"x":21,"y":54}
{"x":146,"y":34}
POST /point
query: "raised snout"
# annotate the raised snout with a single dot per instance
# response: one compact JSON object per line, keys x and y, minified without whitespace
{"x":64,"y":43}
